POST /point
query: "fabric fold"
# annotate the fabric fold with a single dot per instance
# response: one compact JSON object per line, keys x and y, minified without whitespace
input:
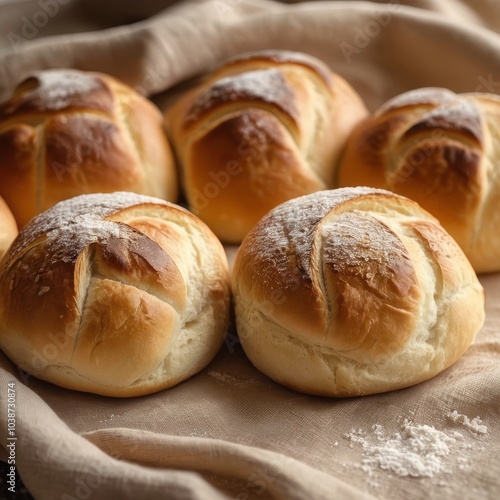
{"x":55,"y":462}
{"x":229,"y":432}
{"x":261,"y":470}
{"x":360,"y":40}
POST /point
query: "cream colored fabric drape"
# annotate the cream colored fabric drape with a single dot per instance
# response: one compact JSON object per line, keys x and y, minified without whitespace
{"x":229,"y":432}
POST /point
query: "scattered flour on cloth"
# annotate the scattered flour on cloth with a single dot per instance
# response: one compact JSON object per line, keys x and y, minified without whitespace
{"x":417,"y":450}
{"x":475,"y":425}
{"x":229,"y":379}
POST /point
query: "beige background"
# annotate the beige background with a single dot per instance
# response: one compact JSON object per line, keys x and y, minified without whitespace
{"x":230,"y":431}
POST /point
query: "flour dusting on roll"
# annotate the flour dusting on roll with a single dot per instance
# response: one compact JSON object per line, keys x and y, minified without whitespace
{"x":263,"y":128}
{"x":117,"y":294}
{"x":66,"y":132}
{"x":353,"y":291}
{"x":442,"y":150}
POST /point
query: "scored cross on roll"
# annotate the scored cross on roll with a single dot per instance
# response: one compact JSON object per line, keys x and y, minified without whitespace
{"x":353,"y":291}
{"x":440,"y":149}
{"x":117,"y":294}
{"x":66,"y":132}
{"x":263,"y":128}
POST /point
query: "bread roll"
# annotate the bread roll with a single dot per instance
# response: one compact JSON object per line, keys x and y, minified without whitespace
{"x":117,"y":294}
{"x":441,"y":150}
{"x":263,"y":128}
{"x":8,"y":227}
{"x":353,"y":291}
{"x":67,"y":132}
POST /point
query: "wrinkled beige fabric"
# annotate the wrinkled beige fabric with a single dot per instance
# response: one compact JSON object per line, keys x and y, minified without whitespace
{"x":230,"y":432}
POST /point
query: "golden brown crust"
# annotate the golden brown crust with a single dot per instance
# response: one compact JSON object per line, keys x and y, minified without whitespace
{"x":257,"y":155}
{"x":116,"y":294}
{"x":437,"y":148}
{"x":353,"y":291}
{"x":263,"y":128}
{"x":67,"y":132}
{"x":273,"y":58}
{"x":57,"y":91}
{"x":369,"y":273}
{"x":267,"y":88}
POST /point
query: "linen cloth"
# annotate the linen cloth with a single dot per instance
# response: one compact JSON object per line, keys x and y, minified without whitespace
{"x":230,"y":432}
